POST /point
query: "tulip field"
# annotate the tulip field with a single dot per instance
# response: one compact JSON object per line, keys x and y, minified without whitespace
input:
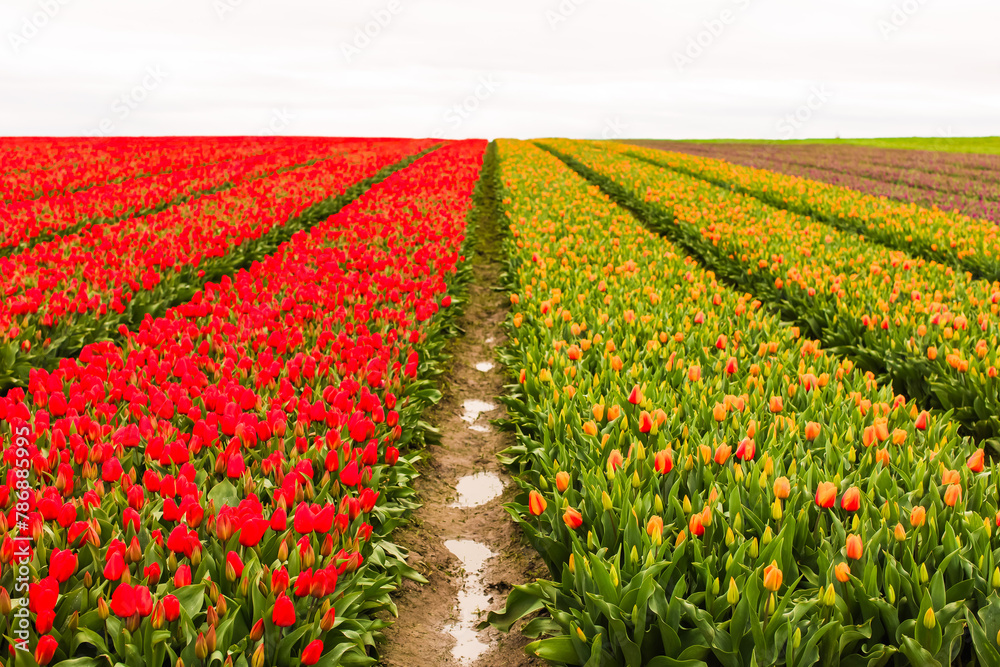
{"x":753,"y":413}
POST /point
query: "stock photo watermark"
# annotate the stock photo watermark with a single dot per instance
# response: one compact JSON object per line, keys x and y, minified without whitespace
{"x":35,"y":22}
{"x":712,"y":29}
{"x":562,"y":12}
{"x":124,"y":105}
{"x":20,"y":619}
{"x":794,"y":121}
{"x":457,"y":114}
{"x":365,"y":34}
{"x":614,"y":128}
{"x":900,"y":15}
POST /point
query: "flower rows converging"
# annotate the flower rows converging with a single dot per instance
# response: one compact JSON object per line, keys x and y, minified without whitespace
{"x":967,"y":243}
{"x":934,"y":330}
{"x":30,"y":221}
{"x":218,"y":488}
{"x":78,"y":288}
{"x":706,"y":484}
{"x":950,"y":181}
{"x":31,"y":168}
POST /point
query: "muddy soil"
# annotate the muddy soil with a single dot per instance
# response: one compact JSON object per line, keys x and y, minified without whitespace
{"x":436,"y":620}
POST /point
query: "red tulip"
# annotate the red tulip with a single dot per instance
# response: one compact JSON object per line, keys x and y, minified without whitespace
{"x":182,"y":577}
{"x":171,"y":607}
{"x":123,"y":601}
{"x":62,"y":564}
{"x":314,"y":650}
{"x":115,"y":566}
{"x":635,"y":397}
{"x":283,"y":614}
{"x":252,"y":531}
{"x":234,"y":562}
{"x":46,"y":649}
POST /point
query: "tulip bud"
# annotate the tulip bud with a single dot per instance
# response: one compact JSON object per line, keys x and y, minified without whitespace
{"x":738,"y":522}
{"x":179,"y":663}
{"x":328,"y":619}
{"x":258,"y":656}
{"x":995,"y":580}
{"x":929,"y":619}
{"x":159,"y":615}
{"x":770,"y":606}
{"x":211,"y":616}
{"x":754,"y":548}
{"x":797,"y":638}
{"x":899,"y":533}
{"x":257,"y":631}
{"x":776,"y":511}
{"x":5,"y":604}
{"x":606,"y":501}
{"x":283,"y":552}
{"x":730,"y":537}
{"x":213,"y":592}
{"x":572,"y":564}
{"x":890,"y":595}
{"x":829,"y":596}
{"x":201,"y":646}
{"x":923,"y":573}
{"x":636,"y":480}
{"x":74,"y":621}
{"x":222,"y":606}
{"x":210,"y":639}
{"x":766,"y":538}
{"x":686,"y":505}
{"x":102,"y":608}
{"x":733,"y":594}
{"x":634,"y":556}
{"x":658,"y":504}
{"x":715,"y":586}
{"x":88,"y":581}
{"x":172,"y":562}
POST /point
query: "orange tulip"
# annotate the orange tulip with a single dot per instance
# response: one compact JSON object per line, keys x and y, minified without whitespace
{"x":975,"y":462}
{"x":953,"y":495}
{"x":782,"y":488}
{"x":654,"y":527}
{"x":694,"y":373}
{"x":663,"y":462}
{"x":562,"y":481}
{"x":719,"y":412}
{"x":921,"y":423}
{"x":826,"y":494}
{"x":615,"y":459}
{"x":851,"y":500}
{"x":842,"y":572}
{"x":613,"y":413}
{"x":772,"y":577}
{"x":776,"y":404}
{"x":812,"y":430}
{"x":950,"y":476}
{"x":882,"y":456}
{"x":695,"y":525}
{"x":590,"y":428}
{"x":536,"y":503}
{"x":572,"y":518}
{"x":722,"y":454}
{"x":731,"y":366}
{"x":918,"y":515}
{"x":598,"y":412}
{"x":854,"y":547}
{"x":635,"y":398}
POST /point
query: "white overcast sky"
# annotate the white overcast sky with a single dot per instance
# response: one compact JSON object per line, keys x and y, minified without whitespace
{"x":523,"y":68}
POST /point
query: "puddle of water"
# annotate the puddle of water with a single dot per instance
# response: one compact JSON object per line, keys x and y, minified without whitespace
{"x":472,"y":597}
{"x":478,"y":489}
{"x":473,"y":407}
{"x":484,"y":366}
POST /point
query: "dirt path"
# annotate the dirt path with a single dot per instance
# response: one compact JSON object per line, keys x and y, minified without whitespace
{"x":471,"y":554}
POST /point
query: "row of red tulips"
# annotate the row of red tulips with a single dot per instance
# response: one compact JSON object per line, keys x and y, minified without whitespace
{"x":219,"y":488}
{"x":38,"y":167}
{"x":31,"y":221}
{"x":81,"y":287}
